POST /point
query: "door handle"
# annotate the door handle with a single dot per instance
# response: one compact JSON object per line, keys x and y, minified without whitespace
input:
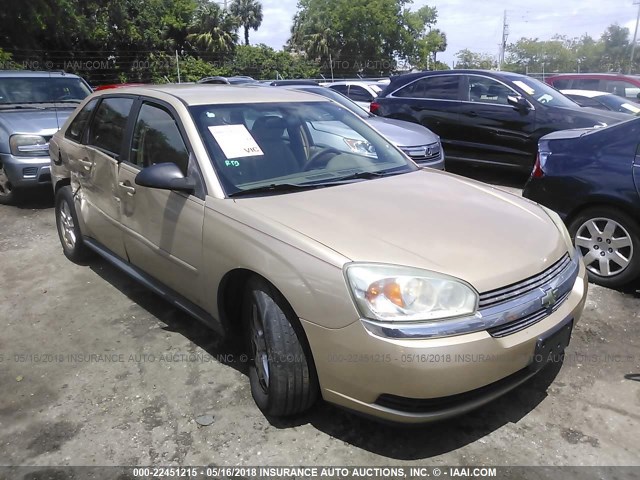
{"x":86,"y":164}
{"x":471,"y":113}
{"x":129,"y":190}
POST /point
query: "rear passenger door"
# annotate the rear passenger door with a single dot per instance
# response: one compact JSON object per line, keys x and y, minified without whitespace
{"x":433,"y":101}
{"x":162,"y":228}
{"x":97,"y":170}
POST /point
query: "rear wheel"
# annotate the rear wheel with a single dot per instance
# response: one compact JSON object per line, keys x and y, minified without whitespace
{"x":281,"y":372}
{"x":67,"y":224}
{"x":7,"y":191}
{"x":610,"y":244}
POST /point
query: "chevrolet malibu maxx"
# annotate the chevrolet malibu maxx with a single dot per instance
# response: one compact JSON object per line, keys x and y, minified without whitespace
{"x":352,"y":275}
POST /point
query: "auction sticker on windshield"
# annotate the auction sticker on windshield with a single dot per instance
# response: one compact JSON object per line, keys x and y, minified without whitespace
{"x":235,"y":141}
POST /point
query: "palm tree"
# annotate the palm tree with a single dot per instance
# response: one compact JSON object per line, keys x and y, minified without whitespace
{"x":213,"y":29}
{"x":249,"y":13}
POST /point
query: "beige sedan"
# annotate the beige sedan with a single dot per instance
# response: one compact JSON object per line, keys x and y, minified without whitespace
{"x":397,"y":292}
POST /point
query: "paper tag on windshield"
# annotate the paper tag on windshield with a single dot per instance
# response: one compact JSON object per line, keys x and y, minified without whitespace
{"x":235,"y":141}
{"x":525,"y":87}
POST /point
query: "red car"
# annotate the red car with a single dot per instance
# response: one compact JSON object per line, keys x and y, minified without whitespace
{"x":627,"y":86}
{"x":116,"y":85}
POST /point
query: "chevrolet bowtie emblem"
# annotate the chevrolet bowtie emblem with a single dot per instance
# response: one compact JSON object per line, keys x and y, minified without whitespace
{"x":549,"y":298}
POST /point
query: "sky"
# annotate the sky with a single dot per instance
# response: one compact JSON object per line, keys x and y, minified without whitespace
{"x":477,"y":25}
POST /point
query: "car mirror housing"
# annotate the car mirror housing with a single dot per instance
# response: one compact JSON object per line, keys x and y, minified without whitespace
{"x":165,"y":176}
{"x":517,"y":101}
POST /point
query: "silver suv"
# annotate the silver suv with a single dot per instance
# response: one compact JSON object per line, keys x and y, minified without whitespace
{"x":33,"y":106}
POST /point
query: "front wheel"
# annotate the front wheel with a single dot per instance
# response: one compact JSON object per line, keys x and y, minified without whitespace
{"x":281,"y":372}
{"x":67,"y":224}
{"x":7,"y":191}
{"x":610,"y":244}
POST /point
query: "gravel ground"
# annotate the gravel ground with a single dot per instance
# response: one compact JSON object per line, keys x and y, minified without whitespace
{"x":95,"y":370}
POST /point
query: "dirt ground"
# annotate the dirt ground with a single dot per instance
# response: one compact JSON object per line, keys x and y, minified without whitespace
{"x":95,"y":370}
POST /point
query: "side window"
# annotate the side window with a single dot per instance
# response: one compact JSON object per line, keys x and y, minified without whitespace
{"x":487,"y":90}
{"x":623,"y":89}
{"x":561,"y":83}
{"x":109,"y":124}
{"x":359,"y":94}
{"x":343,"y":89}
{"x":157,"y":139}
{"x":438,"y":87}
{"x":78,"y":124}
{"x":586,"y":84}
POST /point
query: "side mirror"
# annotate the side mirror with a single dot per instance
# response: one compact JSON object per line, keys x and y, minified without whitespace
{"x":519,"y":102}
{"x":165,"y":176}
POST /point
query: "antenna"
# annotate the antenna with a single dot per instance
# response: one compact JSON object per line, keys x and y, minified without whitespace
{"x":55,"y":105}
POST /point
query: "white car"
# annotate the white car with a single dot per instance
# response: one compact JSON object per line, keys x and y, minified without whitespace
{"x":602,"y":101}
{"x":360,"y":91}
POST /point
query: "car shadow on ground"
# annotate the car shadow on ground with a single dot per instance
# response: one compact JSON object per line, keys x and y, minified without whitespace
{"x":491,"y":175}
{"x":226,"y":351}
{"x":424,"y":441}
{"x":38,"y":198}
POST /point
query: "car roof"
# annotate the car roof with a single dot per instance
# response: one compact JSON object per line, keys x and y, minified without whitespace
{"x":36,"y":74}
{"x":585,"y":93}
{"x":488,"y":73}
{"x":593,"y":75}
{"x":354,"y":82}
{"x":206,"y":94}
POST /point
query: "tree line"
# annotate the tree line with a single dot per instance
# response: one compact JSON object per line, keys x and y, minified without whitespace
{"x":611,"y":52}
{"x":109,"y":41}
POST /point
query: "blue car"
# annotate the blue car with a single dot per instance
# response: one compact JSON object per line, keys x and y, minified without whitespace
{"x":591,"y":178}
{"x":33,"y":106}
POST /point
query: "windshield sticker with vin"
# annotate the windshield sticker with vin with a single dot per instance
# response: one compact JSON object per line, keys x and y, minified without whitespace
{"x":235,"y":141}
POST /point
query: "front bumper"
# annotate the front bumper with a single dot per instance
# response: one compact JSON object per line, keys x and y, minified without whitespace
{"x":26,"y":171}
{"x":448,"y":376}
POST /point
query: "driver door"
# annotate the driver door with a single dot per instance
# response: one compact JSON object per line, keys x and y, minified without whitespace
{"x":162,"y":228}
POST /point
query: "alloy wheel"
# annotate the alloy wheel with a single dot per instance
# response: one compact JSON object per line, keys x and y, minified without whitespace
{"x":67,"y":226}
{"x":606,"y":246}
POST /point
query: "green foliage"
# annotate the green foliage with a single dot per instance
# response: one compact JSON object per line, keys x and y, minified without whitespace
{"x":249,"y":14}
{"x":468,"y":59}
{"x":610,"y":53}
{"x":213,"y":30}
{"x":364,"y":36}
{"x":263,"y":62}
{"x":7,"y":63}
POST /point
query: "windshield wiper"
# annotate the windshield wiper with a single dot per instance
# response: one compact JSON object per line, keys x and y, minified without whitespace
{"x":364,"y":176}
{"x":275,"y":188}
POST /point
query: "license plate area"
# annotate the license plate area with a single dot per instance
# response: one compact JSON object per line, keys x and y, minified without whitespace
{"x":551,"y":345}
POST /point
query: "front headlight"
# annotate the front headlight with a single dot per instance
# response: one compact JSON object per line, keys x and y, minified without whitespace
{"x":28,"y":145}
{"x":396,"y":293}
{"x":360,"y":146}
{"x":562,"y":229}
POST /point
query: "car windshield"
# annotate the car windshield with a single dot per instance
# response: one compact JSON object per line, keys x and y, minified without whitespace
{"x":543,"y":93}
{"x":338,"y":98}
{"x":619,"y":104}
{"x":279,"y":147}
{"x":21,"y":90}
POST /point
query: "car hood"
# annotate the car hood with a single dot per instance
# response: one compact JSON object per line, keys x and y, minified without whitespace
{"x":36,"y":121}
{"x":426,"y":219}
{"x":402,"y":133}
{"x":582,"y":117}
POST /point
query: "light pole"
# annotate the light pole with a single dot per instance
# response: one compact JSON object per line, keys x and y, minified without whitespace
{"x":635,"y":34}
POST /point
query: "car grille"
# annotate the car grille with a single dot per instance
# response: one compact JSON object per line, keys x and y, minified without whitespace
{"x":510,"y":292}
{"x":423,"y":153}
{"x":521,"y":289}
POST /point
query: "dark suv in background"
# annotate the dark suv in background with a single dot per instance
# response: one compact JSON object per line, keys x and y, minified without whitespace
{"x":33,"y":106}
{"x":484,"y":116}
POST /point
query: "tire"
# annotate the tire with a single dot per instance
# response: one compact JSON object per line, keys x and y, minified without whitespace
{"x":281,"y":372}
{"x":610,"y":244}
{"x":67,"y":224}
{"x":8,"y":194}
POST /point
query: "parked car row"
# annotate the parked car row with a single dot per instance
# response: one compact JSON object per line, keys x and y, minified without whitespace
{"x":344,"y":269}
